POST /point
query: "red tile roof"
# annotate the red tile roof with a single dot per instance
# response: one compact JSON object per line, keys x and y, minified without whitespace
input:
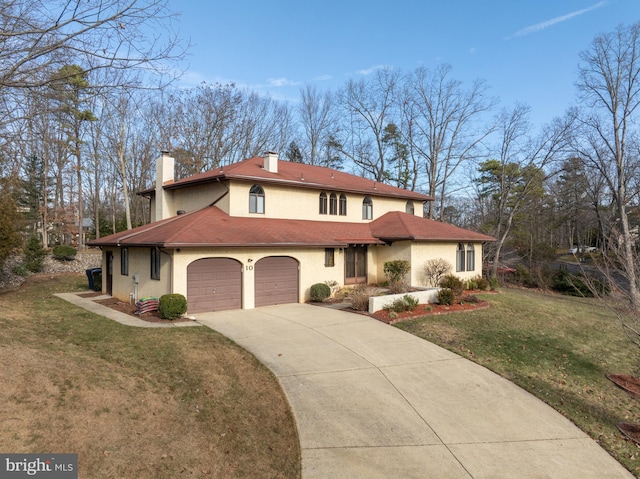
{"x":211,"y":227}
{"x":396,"y":226}
{"x":299,"y":175}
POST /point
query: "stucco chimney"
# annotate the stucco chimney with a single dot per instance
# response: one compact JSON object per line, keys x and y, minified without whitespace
{"x":164,"y":172}
{"x":271,"y":161}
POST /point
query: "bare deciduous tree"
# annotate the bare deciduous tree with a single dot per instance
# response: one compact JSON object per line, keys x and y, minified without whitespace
{"x":445,"y":128}
{"x":609,"y":84}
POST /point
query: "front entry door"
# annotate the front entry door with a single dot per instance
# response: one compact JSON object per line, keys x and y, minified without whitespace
{"x":355,"y":264}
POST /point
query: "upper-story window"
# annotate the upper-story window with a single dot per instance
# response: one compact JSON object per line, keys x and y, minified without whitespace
{"x":471,"y":257}
{"x":333,"y":204}
{"x":460,"y":257}
{"x":256,"y":199}
{"x":409,"y":208}
{"x":323,"y":203}
{"x":367,"y":208}
{"x":343,"y":205}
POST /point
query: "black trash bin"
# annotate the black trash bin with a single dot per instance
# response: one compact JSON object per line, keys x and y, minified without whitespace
{"x":93,"y":274}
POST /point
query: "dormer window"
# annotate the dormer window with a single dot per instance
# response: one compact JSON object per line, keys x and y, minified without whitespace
{"x":409,"y":208}
{"x":256,"y":199}
{"x":333,"y":204}
{"x":323,"y":203}
{"x":367,"y":208}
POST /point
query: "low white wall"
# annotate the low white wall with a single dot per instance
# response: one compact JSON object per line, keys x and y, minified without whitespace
{"x":376,"y":303}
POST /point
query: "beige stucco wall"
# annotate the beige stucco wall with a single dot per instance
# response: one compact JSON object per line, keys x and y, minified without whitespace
{"x":140,"y":264}
{"x":422,"y":252}
{"x":302,"y":203}
{"x":312,"y":270}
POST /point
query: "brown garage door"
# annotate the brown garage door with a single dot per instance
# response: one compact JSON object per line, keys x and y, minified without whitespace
{"x":214,"y":284}
{"x":276,"y":280}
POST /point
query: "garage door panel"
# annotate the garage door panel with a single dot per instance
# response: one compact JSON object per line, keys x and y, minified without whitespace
{"x":214,"y":284}
{"x":276,"y":281}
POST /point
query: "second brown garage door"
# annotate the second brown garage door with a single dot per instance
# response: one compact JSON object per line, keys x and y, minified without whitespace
{"x":276,"y":281}
{"x":214,"y":284}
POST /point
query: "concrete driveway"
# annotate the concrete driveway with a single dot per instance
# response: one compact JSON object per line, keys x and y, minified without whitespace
{"x":372,"y":401}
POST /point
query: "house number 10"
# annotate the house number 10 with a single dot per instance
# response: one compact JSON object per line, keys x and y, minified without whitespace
{"x":249,"y":267}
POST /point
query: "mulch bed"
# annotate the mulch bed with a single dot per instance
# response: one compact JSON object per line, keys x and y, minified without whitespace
{"x":630,"y":431}
{"x":631,"y":384}
{"x":130,"y":309}
{"x":428,"y":310}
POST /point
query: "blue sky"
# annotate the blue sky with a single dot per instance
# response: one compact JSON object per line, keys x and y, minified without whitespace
{"x":527,"y":51}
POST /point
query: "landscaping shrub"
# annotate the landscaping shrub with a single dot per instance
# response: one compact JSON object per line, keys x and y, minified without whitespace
{"x":494,"y":284}
{"x":446,"y":296}
{"x":172,"y":306}
{"x":399,"y":305}
{"x":482,"y":282}
{"x":433,"y":271}
{"x":396,"y":271}
{"x":359,"y":297}
{"x":63,"y":252}
{"x":452,"y":282}
{"x":34,"y":255}
{"x":334,"y":286}
{"x":20,"y":270}
{"x":320,"y":292}
{"x":471,"y":284}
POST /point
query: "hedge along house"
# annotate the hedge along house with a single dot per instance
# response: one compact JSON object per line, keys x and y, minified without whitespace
{"x":262,"y":231}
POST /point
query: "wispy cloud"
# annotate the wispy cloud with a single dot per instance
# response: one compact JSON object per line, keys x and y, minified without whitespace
{"x":323,"y":78}
{"x":369,"y":71}
{"x":549,"y":23}
{"x":280,"y":82}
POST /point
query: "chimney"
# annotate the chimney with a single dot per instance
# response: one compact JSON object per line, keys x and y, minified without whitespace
{"x":164,"y":173}
{"x":271,"y":161}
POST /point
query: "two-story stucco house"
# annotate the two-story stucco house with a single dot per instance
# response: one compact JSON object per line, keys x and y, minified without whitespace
{"x":262,"y":231}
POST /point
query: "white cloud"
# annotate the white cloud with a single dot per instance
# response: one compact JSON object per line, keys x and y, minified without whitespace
{"x":369,"y":71}
{"x":324,"y":78}
{"x":549,"y":23}
{"x":280,"y":82}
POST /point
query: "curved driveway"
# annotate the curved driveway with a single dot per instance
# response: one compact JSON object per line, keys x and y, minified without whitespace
{"x":372,"y":401}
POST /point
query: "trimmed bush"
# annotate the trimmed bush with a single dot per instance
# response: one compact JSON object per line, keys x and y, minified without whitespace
{"x":452,"y":282}
{"x":63,"y":252}
{"x":446,"y":296}
{"x":406,"y":303}
{"x":172,"y":306}
{"x":482,"y":282}
{"x":320,"y":292}
{"x":494,"y":284}
{"x":396,"y":270}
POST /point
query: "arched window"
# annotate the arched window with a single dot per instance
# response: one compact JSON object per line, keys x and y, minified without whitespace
{"x":471,"y":257}
{"x":409,"y":208}
{"x":460,"y":257}
{"x":367,"y":208}
{"x":323,"y":203}
{"x":343,"y":205}
{"x":256,"y":199}
{"x":333,"y":204}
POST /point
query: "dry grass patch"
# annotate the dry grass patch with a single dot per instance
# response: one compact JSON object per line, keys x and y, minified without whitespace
{"x":143,"y":403}
{"x":557,"y":347}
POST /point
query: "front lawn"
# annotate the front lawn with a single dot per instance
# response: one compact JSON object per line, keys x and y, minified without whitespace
{"x":132,"y":402}
{"x":558,"y":348}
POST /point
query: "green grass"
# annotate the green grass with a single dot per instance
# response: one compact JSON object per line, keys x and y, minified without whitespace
{"x":556,"y":347}
{"x":134,"y":402}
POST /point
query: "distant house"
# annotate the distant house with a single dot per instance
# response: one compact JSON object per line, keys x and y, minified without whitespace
{"x":262,"y":231}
